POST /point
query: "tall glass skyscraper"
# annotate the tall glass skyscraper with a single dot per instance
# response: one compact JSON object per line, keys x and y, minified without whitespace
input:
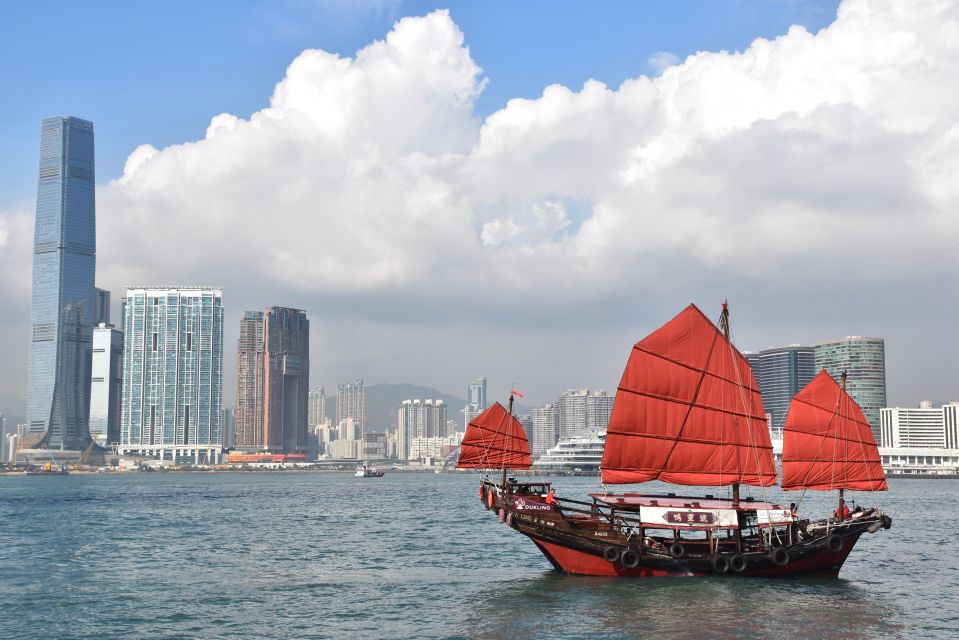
{"x":172,"y":373}
{"x":864,"y":361}
{"x":64,"y":262}
{"x":475,"y":400}
{"x":781,"y":372}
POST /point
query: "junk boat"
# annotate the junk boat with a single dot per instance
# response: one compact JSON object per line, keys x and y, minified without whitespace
{"x":368,"y":472}
{"x":688,"y":412}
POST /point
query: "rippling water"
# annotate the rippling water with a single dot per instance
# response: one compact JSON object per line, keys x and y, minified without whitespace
{"x":314,"y":555}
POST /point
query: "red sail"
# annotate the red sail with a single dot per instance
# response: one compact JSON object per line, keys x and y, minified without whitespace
{"x":494,"y":440}
{"x":827,"y":442}
{"x":688,"y":411}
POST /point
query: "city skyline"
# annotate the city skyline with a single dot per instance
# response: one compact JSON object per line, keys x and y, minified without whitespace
{"x":538,"y":235}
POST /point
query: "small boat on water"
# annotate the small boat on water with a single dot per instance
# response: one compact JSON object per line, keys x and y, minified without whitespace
{"x":688,"y":412}
{"x":368,"y":472}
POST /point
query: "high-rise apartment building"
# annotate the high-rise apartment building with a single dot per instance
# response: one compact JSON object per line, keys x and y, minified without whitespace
{"x":172,"y":373}
{"x":286,"y":362}
{"x":420,"y":419}
{"x":64,"y":263}
{"x":578,"y":413}
{"x":107,"y":380}
{"x":475,"y":400}
{"x":272,"y":374}
{"x":544,"y":431}
{"x":864,"y":361}
{"x":317,"y":408}
{"x":781,"y":373}
{"x":351,"y":403}
{"x":248,"y":412}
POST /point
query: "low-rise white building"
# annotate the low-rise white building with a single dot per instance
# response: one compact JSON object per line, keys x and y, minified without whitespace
{"x":921,"y":427}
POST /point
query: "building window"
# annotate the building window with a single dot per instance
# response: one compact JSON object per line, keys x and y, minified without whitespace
{"x":186,"y":424}
{"x":154,"y":341}
{"x":153,"y":421}
{"x":189,"y":341}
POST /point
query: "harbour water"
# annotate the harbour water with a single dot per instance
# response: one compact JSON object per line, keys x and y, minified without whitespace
{"x":327,"y":555}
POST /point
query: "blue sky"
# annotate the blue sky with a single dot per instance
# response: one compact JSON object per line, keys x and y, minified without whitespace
{"x":809,"y":176}
{"x":157,"y":72}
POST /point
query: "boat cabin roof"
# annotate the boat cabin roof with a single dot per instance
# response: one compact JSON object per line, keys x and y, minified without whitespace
{"x":633,"y":500}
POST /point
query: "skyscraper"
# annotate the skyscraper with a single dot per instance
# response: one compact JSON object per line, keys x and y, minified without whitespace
{"x":286,"y":379}
{"x":475,"y":400}
{"x":580,"y":412}
{"x":864,"y":361}
{"x":229,"y":429}
{"x":101,"y":308}
{"x":351,"y":403}
{"x":172,"y":373}
{"x":421,"y":419}
{"x":544,"y":431}
{"x":781,"y":372}
{"x":248,"y":416}
{"x":106,"y":384}
{"x":64,"y":262}
{"x":317,"y":410}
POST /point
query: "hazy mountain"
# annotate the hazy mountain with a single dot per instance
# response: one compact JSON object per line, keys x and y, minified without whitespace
{"x":382,"y":401}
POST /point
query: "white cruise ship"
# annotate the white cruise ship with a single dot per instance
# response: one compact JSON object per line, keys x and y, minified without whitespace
{"x":574,"y":455}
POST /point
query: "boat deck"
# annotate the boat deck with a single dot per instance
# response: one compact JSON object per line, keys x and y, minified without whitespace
{"x":634,"y":500}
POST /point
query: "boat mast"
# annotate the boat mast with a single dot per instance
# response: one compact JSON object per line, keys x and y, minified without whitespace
{"x":724,"y":325}
{"x":842,"y":492}
{"x":503,"y":484}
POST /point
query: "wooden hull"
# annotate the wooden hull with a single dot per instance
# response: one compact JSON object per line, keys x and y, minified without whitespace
{"x":591,"y":546}
{"x":570,"y":560}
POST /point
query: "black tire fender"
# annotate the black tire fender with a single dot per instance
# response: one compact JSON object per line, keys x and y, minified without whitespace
{"x":677,"y":551}
{"x":834,"y":543}
{"x":611,"y":554}
{"x":629,"y":558}
{"x":737,"y":562}
{"x":886,"y":521}
{"x":720,"y":563}
{"x":779,"y":556}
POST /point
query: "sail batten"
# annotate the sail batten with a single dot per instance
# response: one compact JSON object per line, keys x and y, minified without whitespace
{"x":688,"y":411}
{"x":494,"y":440}
{"x":828,"y":443}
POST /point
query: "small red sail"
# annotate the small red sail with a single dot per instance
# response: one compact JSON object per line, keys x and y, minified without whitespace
{"x":688,"y":411}
{"x":494,"y":440}
{"x":827,"y":442}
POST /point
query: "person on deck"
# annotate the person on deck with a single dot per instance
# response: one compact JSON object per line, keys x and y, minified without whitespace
{"x":550,"y":496}
{"x":842,"y":511}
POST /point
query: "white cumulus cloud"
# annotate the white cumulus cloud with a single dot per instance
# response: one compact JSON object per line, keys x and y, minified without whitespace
{"x":798,"y":177}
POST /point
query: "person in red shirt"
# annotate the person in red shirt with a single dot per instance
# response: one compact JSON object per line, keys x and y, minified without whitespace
{"x":842,"y":511}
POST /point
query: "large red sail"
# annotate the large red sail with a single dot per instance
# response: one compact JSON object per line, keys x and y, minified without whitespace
{"x":688,"y":411}
{"x":494,"y":440}
{"x":827,"y":442}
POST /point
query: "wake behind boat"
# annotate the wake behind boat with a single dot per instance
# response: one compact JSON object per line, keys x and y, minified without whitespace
{"x":688,"y":412}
